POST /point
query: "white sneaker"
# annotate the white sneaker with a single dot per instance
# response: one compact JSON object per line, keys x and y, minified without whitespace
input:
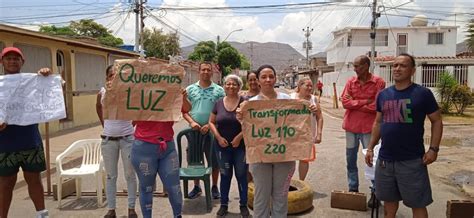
{"x":42,"y":214}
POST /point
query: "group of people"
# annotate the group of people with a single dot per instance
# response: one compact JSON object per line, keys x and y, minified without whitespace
{"x":207,"y":107}
{"x":395,"y":115}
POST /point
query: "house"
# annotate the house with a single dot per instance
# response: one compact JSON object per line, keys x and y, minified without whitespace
{"x":433,"y":46}
{"x":81,"y":64}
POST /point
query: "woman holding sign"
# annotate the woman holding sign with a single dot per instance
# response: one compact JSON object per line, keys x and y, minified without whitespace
{"x":303,"y":91}
{"x":229,"y":144}
{"x":117,"y":138}
{"x":271,"y":180}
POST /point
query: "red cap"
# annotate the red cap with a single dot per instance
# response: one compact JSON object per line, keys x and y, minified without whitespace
{"x":12,"y":49}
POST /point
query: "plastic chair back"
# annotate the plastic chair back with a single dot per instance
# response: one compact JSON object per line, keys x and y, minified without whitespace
{"x":195,"y":151}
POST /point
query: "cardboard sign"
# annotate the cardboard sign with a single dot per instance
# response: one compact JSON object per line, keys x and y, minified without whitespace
{"x":277,"y":130}
{"x":145,"y":90}
{"x":29,"y":98}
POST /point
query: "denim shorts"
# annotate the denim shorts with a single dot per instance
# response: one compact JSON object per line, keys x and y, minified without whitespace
{"x":31,"y":160}
{"x":403,"y":180}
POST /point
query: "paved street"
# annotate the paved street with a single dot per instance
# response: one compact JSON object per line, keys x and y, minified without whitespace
{"x":327,"y":173}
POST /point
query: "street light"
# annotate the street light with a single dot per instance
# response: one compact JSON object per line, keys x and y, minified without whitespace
{"x":233,"y":31}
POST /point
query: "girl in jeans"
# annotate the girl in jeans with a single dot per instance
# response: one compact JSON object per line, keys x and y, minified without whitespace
{"x":117,"y":139}
{"x":229,"y":144}
{"x":153,"y":152}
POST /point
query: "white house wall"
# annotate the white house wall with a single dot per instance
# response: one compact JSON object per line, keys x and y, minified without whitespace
{"x":418,"y":42}
{"x":338,"y":52}
{"x":340,"y":78}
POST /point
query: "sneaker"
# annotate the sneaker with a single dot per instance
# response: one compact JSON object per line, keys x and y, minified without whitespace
{"x":132,"y":214}
{"x":222,"y":211}
{"x":42,"y":214}
{"x":110,"y":214}
{"x":196,"y":192}
{"x":370,"y":203}
{"x":244,"y":211}
{"x":215,"y":192}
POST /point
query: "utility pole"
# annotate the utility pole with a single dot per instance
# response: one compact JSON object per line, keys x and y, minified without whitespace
{"x":139,"y":24}
{"x":308,"y":45}
{"x":136,"y":10}
{"x":373,"y":26}
{"x":251,"y":55}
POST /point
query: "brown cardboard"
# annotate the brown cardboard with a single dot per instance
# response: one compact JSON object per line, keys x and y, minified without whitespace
{"x":277,"y":130}
{"x":348,"y":200}
{"x":144,"y":90}
{"x":460,"y":209}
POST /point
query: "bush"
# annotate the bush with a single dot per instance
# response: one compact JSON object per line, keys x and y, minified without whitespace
{"x":445,"y":88}
{"x":462,"y":97}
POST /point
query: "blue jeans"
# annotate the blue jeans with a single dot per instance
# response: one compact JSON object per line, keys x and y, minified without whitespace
{"x":148,"y":160}
{"x":230,"y":158}
{"x":111,"y":149}
{"x":352,"y":148}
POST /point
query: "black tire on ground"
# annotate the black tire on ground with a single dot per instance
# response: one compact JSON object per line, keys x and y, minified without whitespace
{"x":300,"y":196}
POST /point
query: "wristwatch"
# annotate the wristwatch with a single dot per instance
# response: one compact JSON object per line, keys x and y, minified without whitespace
{"x":435,"y":149}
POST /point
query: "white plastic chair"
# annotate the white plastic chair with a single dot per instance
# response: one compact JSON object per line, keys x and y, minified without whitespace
{"x":91,"y":166}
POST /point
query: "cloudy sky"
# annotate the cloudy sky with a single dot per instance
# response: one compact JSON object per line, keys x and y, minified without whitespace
{"x":261,"y":24}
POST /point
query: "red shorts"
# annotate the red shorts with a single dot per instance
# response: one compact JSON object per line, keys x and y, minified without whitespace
{"x":312,"y":156}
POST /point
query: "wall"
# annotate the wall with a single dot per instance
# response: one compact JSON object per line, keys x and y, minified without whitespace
{"x":417,"y":43}
{"x":340,"y":78}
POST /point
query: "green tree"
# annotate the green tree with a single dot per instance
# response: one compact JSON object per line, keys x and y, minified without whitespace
{"x":445,"y":87}
{"x":244,"y":62}
{"x":229,"y":57}
{"x":224,"y":54}
{"x":88,"y":27}
{"x":470,"y":35}
{"x":204,"y":51}
{"x":462,"y":97}
{"x":159,"y":44}
{"x":85,"y":27}
{"x":54,"y":30}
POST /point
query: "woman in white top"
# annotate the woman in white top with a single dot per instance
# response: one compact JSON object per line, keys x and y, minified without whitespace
{"x":117,"y":137}
{"x":303,"y":91}
{"x":271,"y":180}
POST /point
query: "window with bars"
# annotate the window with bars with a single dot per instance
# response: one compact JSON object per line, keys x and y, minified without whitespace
{"x":435,"y":38}
{"x":461,"y":74}
{"x":430,"y":74}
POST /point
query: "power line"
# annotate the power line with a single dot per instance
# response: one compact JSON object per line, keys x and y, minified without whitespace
{"x":53,"y":5}
{"x":172,"y":28}
{"x":202,"y":28}
{"x":177,"y":7}
{"x":430,"y":18}
{"x":56,"y":23}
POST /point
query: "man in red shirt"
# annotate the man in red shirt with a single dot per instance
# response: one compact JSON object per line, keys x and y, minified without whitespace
{"x":319,"y":85}
{"x":358,"y":98}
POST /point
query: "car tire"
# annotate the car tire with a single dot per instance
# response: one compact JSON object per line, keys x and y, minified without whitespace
{"x":300,"y":196}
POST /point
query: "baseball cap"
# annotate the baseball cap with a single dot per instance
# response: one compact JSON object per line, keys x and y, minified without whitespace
{"x":12,"y":49}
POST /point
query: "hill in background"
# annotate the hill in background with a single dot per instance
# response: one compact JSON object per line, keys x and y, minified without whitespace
{"x":279,"y":55}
